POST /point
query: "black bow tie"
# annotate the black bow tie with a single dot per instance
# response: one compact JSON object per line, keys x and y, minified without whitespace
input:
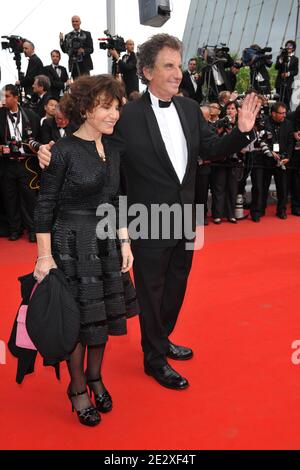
{"x":164,"y":104}
{"x":14,"y":115}
{"x":56,"y":67}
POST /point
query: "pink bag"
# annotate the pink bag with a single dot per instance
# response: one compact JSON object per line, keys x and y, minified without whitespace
{"x":22,"y":338}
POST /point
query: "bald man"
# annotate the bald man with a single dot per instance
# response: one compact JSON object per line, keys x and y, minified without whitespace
{"x":127,"y":67}
{"x":78,"y":44}
{"x":35,"y":67}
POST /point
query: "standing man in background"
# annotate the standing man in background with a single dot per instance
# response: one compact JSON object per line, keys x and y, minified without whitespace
{"x":35,"y":67}
{"x":191,"y":82}
{"x":78,"y":44}
{"x":127,"y":67}
{"x":57,"y":74}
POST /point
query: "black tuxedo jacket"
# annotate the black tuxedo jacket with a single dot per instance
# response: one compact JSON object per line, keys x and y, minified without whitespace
{"x":87,"y":44}
{"x":30,"y":126}
{"x":150,"y":175}
{"x":38,"y":105}
{"x":129,"y":72}
{"x":262,"y":69}
{"x":50,"y":131}
{"x":35,"y":67}
{"x":57,"y":83}
{"x":292,"y":68}
{"x":187,"y":85}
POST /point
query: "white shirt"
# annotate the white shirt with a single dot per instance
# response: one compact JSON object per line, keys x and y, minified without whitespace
{"x":193,"y":80}
{"x":217,"y":75}
{"x":172,"y":134}
{"x":57,"y":69}
{"x":16,"y":130}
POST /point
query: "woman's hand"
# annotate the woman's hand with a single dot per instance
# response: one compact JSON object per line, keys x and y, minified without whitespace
{"x":127,"y":257}
{"x":43,"y":267}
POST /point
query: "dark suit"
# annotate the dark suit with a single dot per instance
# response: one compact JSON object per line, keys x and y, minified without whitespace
{"x":263,"y":86}
{"x":127,"y":67}
{"x":50,"y":131}
{"x":83,"y":63}
{"x":282,"y":134}
{"x":284,"y":85}
{"x":19,"y":198}
{"x":162,"y":266}
{"x":38,"y":104}
{"x":35,"y":67}
{"x":187,"y":85}
{"x":57,"y":83}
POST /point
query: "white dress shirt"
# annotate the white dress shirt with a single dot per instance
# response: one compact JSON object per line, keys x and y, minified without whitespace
{"x":172,"y":134}
{"x":16,"y":130}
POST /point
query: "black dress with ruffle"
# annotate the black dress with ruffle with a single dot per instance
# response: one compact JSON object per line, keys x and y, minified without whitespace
{"x":73,"y":186}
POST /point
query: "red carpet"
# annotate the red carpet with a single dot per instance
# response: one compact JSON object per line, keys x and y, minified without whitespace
{"x":241,"y":316}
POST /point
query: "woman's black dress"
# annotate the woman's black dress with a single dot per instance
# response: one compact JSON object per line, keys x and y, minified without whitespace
{"x":76,"y":182}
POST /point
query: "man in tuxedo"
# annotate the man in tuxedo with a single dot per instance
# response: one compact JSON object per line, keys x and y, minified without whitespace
{"x":40,"y":87}
{"x":161,"y":136}
{"x":78,"y":44}
{"x":19,"y":185}
{"x":287,"y":65}
{"x":56,"y":127}
{"x":35,"y":67}
{"x":57,"y":74}
{"x":191,"y":81}
{"x":127,"y":67}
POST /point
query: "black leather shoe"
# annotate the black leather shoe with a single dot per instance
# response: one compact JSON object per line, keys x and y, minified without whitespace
{"x":296,"y":213}
{"x":32,"y":237}
{"x":167,"y":377}
{"x":281,"y":215}
{"x":179,"y":353}
{"x":255,"y":218}
{"x":14,"y":236}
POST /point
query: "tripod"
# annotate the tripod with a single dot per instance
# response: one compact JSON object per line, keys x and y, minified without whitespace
{"x":210,"y":91}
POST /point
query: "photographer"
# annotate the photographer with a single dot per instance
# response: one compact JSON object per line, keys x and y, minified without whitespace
{"x":17,"y":127}
{"x":57,"y":74}
{"x":127,"y":67}
{"x":35,"y":67}
{"x":225,"y":173}
{"x":280,"y":141}
{"x":258,"y":62}
{"x":287,"y":65}
{"x":214,"y":76}
{"x":78,"y":44}
{"x":191,"y":81}
{"x":56,"y":127}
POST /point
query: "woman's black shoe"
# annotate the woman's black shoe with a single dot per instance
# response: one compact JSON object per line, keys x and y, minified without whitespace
{"x":103,"y":400}
{"x":87,"y":416}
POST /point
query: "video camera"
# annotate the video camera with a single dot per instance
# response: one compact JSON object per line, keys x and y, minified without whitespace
{"x":224,"y":123}
{"x":284,"y":55}
{"x":112,"y":42}
{"x":255,"y":56}
{"x":213,"y":54}
{"x":13,"y":44}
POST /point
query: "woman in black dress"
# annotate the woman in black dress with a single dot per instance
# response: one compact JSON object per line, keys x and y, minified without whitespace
{"x":84,"y":175}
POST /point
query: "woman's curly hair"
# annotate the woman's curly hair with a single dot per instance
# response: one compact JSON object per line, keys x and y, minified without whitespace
{"x":87,"y":92}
